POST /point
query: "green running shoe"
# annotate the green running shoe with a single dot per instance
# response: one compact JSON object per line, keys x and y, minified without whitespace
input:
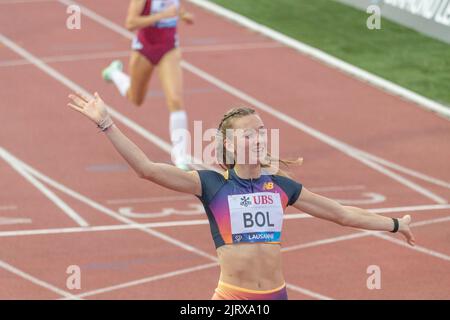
{"x":107,"y":72}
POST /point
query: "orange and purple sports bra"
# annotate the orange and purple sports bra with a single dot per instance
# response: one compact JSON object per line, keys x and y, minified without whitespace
{"x":246,"y":210}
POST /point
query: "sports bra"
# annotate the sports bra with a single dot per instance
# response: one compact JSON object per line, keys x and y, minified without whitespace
{"x":246,"y":210}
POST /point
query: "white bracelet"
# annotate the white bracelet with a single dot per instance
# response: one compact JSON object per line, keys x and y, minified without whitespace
{"x":105,"y":123}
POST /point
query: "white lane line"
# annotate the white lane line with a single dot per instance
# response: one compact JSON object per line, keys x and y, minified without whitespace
{"x":149,"y":200}
{"x":411,"y":208}
{"x":149,"y":279}
{"x":417,"y":247}
{"x":184,"y":198}
{"x":324,"y":241}
{"x":23,"y":1}
{"x":118,"y":227}
{"x":67,"y":58}
{"x":337,"y":188}
{"x":232,"y":47}
{"x":326,"y":58}
{"x":359,"y":235}
{"x":11,"y":220}
{"x":407,"y":171}
{"x":126,"y":54}
{"x":431,"y":221}
{"x":370,"y":198}
{"x":339,"y":145}
{"x":8,"y":207}
{"x":308,"y":292}
{"x":72,"y":214}
{"x":35,"y":280}
{"x":380,"y":235}
{"x":366,"y":234}
{"x":197,"y":222}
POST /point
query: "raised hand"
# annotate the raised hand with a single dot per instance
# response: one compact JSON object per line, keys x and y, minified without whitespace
{"x":93,"y":108}
{"x":187,"y":17}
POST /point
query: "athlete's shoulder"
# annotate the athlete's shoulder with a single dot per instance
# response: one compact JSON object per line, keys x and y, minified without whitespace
{"x":211,"y":182}
{"x":212,"y":174}
{"x":291,"y":187}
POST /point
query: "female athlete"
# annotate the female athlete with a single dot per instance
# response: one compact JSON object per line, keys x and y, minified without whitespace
{"x":244,"y":206}
{"x":155,"y":45}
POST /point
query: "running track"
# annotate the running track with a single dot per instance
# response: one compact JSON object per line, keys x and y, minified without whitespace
{"x":67,"y":197}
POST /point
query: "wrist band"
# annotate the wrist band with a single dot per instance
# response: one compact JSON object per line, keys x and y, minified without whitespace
{"x":105,"y":123}
{"x":396,"y":225}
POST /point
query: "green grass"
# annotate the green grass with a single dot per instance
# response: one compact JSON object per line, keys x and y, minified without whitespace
{"x":396,"y":53}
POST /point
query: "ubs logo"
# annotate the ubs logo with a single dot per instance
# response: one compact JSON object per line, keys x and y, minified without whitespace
{"x":245,"y":201}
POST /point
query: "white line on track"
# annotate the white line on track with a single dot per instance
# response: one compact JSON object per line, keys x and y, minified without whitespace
{"x":418,"y":248}
{"x":324,"y":241}
{"x":407,"y":171}
{"x":380,"y":235}
{"x":184,"y":198}
{"x":72,"y":214}
{"x":308,"y":292}
{"x":35,"y":280}
{"x":23,"y":1}
{"x":126,"y":54}
{"x":197,"y":222}
{"x":337,"y":188}
{"x":150,"y":200}
{"x":8,"y":207}
{"x":149,"y":279}
{"x":14,"y":220}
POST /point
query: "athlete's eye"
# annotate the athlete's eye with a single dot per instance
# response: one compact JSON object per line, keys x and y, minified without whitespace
{"x":250,"y":134}
{"x":262,"y":133}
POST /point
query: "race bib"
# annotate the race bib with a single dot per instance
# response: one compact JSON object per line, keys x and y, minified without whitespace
{"x":161,"y":5}
{"x":256,"y":217}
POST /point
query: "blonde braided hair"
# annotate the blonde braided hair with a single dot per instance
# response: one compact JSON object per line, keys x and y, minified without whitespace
{"x":224,"y":156}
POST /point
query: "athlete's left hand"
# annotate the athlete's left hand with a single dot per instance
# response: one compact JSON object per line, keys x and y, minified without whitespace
{"x":406,"y":230}
{"x":187,"y":17}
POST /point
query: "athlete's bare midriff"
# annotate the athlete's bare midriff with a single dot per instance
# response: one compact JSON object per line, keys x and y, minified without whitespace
{"x":254,"y":266}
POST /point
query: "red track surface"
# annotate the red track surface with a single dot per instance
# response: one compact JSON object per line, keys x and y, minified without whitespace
{"x":38,"y":129}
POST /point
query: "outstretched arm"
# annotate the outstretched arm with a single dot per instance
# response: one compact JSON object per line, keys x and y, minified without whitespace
{"x":160,"y":173}
{"x":324,"y":208}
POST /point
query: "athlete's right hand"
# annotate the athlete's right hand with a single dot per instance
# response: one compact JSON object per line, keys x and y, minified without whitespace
{"x":93,"y":108}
